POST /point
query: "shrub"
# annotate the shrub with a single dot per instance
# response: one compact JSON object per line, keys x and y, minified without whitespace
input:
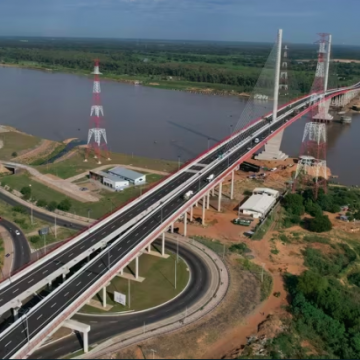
{"x":34,"y":239}
{"x":64,"y":205}
{"x":320,"y":223}
{"x":14,"y":154}
{"x":240,"y":248}
{"x":20,"y":209}
{"x":293,"y":203}
{"x":41,"y":203}
{"x":52,"y":205}
{"x":26,"y":191}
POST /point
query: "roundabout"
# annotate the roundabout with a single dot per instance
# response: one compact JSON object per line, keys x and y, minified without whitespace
{"x":207,"y":286}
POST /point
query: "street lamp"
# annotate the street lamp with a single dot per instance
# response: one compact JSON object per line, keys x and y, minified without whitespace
{"x":31,"y":209}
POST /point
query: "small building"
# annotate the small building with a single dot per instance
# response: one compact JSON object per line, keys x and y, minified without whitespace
{"x":257,"y":205}
{"x":266,"y":191}
{"x":114,"y":182}
{"x":131,"y":176}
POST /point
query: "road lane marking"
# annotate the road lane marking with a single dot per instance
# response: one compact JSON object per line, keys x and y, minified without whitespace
{"x":78,"y":283}
{"x":103,"y":233}
{"x":44,"y":272}
{"x":30,"y":281}
{"x":53,"y":305}
{"x":71,"y":254}
{"x":39,"y":317}
{"x":8,"y":343}
{"x":89,"y":274}
{"x":100,"y":265}
{"x":82,"y":247}
{"x":119,"y":249}
{"x":66,"y":294}
{"x":15,"y":290}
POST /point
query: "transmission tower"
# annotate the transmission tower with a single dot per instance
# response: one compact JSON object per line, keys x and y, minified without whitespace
{"x":311,"y":168}
{"x":97,"y":141}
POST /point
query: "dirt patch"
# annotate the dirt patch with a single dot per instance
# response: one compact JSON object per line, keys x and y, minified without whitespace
{"x":66,"y":141}
{"x":154,"y":84}
{"x":194,"y":341}
{"x":45,"y":148}
{"x":66,"y":156}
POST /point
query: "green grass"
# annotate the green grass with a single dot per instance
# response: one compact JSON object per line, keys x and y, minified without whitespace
{"x":16,"y":142}
{"x":23,"y":221}
{"x":55,"y":152}
{"x":260,"y":232}
{"x":75,"y":164}
{"x":157,"y":288}
{"x":109,"y":201}
{"x":61,"y":234}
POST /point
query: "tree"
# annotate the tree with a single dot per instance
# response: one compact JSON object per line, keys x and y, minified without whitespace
{"x":52,"y":205}
{"x":14,"y":154}
{"x":64,"y":205}
{"x":26,"y":191}
{"x":41,"y":203}
{"x":312,"y":208}
{"x":293,"y":203}
{"x":34,"y":239}
{"x":310,"y":283}
{"x":320,"y":223}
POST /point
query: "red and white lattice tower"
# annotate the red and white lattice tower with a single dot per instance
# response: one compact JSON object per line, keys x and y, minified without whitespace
{"x":284,"y":86}
{"x":311,"y":168}
{"x":97,"y":141}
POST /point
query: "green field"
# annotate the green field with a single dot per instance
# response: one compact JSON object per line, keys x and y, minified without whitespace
{"x":16,"y":142}
{"x":157,"y":288}
{"x":108,"y":202}
{"x":38,"y":242}
{"x":75,"y":165}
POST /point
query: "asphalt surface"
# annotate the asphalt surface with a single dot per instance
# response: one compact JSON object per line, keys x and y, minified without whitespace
{"x":22,"y":252}
{"x":103,"y":328}
{"x":55,"y":304}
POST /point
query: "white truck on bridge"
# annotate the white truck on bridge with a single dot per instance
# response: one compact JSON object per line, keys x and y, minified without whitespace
{"x":188,"y":195}
{"x":210,"y":178}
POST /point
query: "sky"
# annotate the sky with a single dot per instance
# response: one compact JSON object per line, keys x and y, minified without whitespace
{"x":220,"y":20}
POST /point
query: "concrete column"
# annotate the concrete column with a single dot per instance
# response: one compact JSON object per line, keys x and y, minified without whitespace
{"x":185,"y":224}
{"x":149,"y":248}
{"x":213,"y":191}
{"x":122,"y":272}
{"x":272,"y":149}
{"x":163,"y":244}
{"x":104,"y":296}
{"x":208,"y":201}
{"x":203,"y":210}
{"x":196,"y":204}
{"x":64,"y":277}
{"x":219,"y":198}
{"x":232,"y":184}
{"x":172,"y":227}
{"x":86,"y":342}
{"x":191,"y":213}
{"x":15,"y":312}
{"x":137,"y":267}
{"x":50,"y":283}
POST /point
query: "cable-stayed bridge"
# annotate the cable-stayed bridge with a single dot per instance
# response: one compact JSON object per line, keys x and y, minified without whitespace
{"x":115,"y":241}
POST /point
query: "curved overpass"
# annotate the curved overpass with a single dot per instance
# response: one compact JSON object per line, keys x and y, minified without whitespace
{"x":48,"y":315}
{"x":109,"y":326}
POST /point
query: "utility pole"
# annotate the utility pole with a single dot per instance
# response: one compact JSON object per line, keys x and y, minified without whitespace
{"x":55,"y":226}
{"x":129,"y":293}
{"x":277,"y":75}
{"x":175,"y":272}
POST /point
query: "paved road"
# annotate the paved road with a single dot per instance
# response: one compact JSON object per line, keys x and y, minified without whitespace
{"x":56,"y":303}
{"x":28,"y":280}
{"x":107,"y":327}
{"x":21,"y":247}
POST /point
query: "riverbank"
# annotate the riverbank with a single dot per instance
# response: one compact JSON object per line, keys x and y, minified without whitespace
{"x":170,"y":84}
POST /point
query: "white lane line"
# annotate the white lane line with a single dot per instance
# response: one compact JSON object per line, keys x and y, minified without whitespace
{"x":53,"y":305}
{"x":89,"y":274}
{"x":103,"y":233}
{"x":15,"y":290}
{"x":78,"y":283}
{"x":128,"y":241}
{"x":44,"y":272}
{"x":71,"y":254}
{"x":66,"y":294}
{"x":23,"y":330}
{"x":30,"y":281}
{"x":82,"y":247}
{"x":39,"y":317}
{"x":110,"y":256}
{"x":119,"y":249}
{"x":100,"y":265}
{"x":137,"y":234}
{"x":8,"y":343}
{"x":113,"y":226}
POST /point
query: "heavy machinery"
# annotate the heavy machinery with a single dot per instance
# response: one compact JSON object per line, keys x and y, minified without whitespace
{"x":243,"y":222}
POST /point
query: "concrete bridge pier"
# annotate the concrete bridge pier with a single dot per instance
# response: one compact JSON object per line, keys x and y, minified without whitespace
{"x":219,"y":196}
{"x":272,"y":149}
{"x":203,"y":210}
{"x":191,"y":213}
{"x":80,"y":327}
{"x":208,"y":201}
{"x":185,"y":223}
{"x":232,"y":184}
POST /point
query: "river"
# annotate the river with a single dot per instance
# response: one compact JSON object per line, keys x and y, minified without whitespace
{"x":148,"y":121}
